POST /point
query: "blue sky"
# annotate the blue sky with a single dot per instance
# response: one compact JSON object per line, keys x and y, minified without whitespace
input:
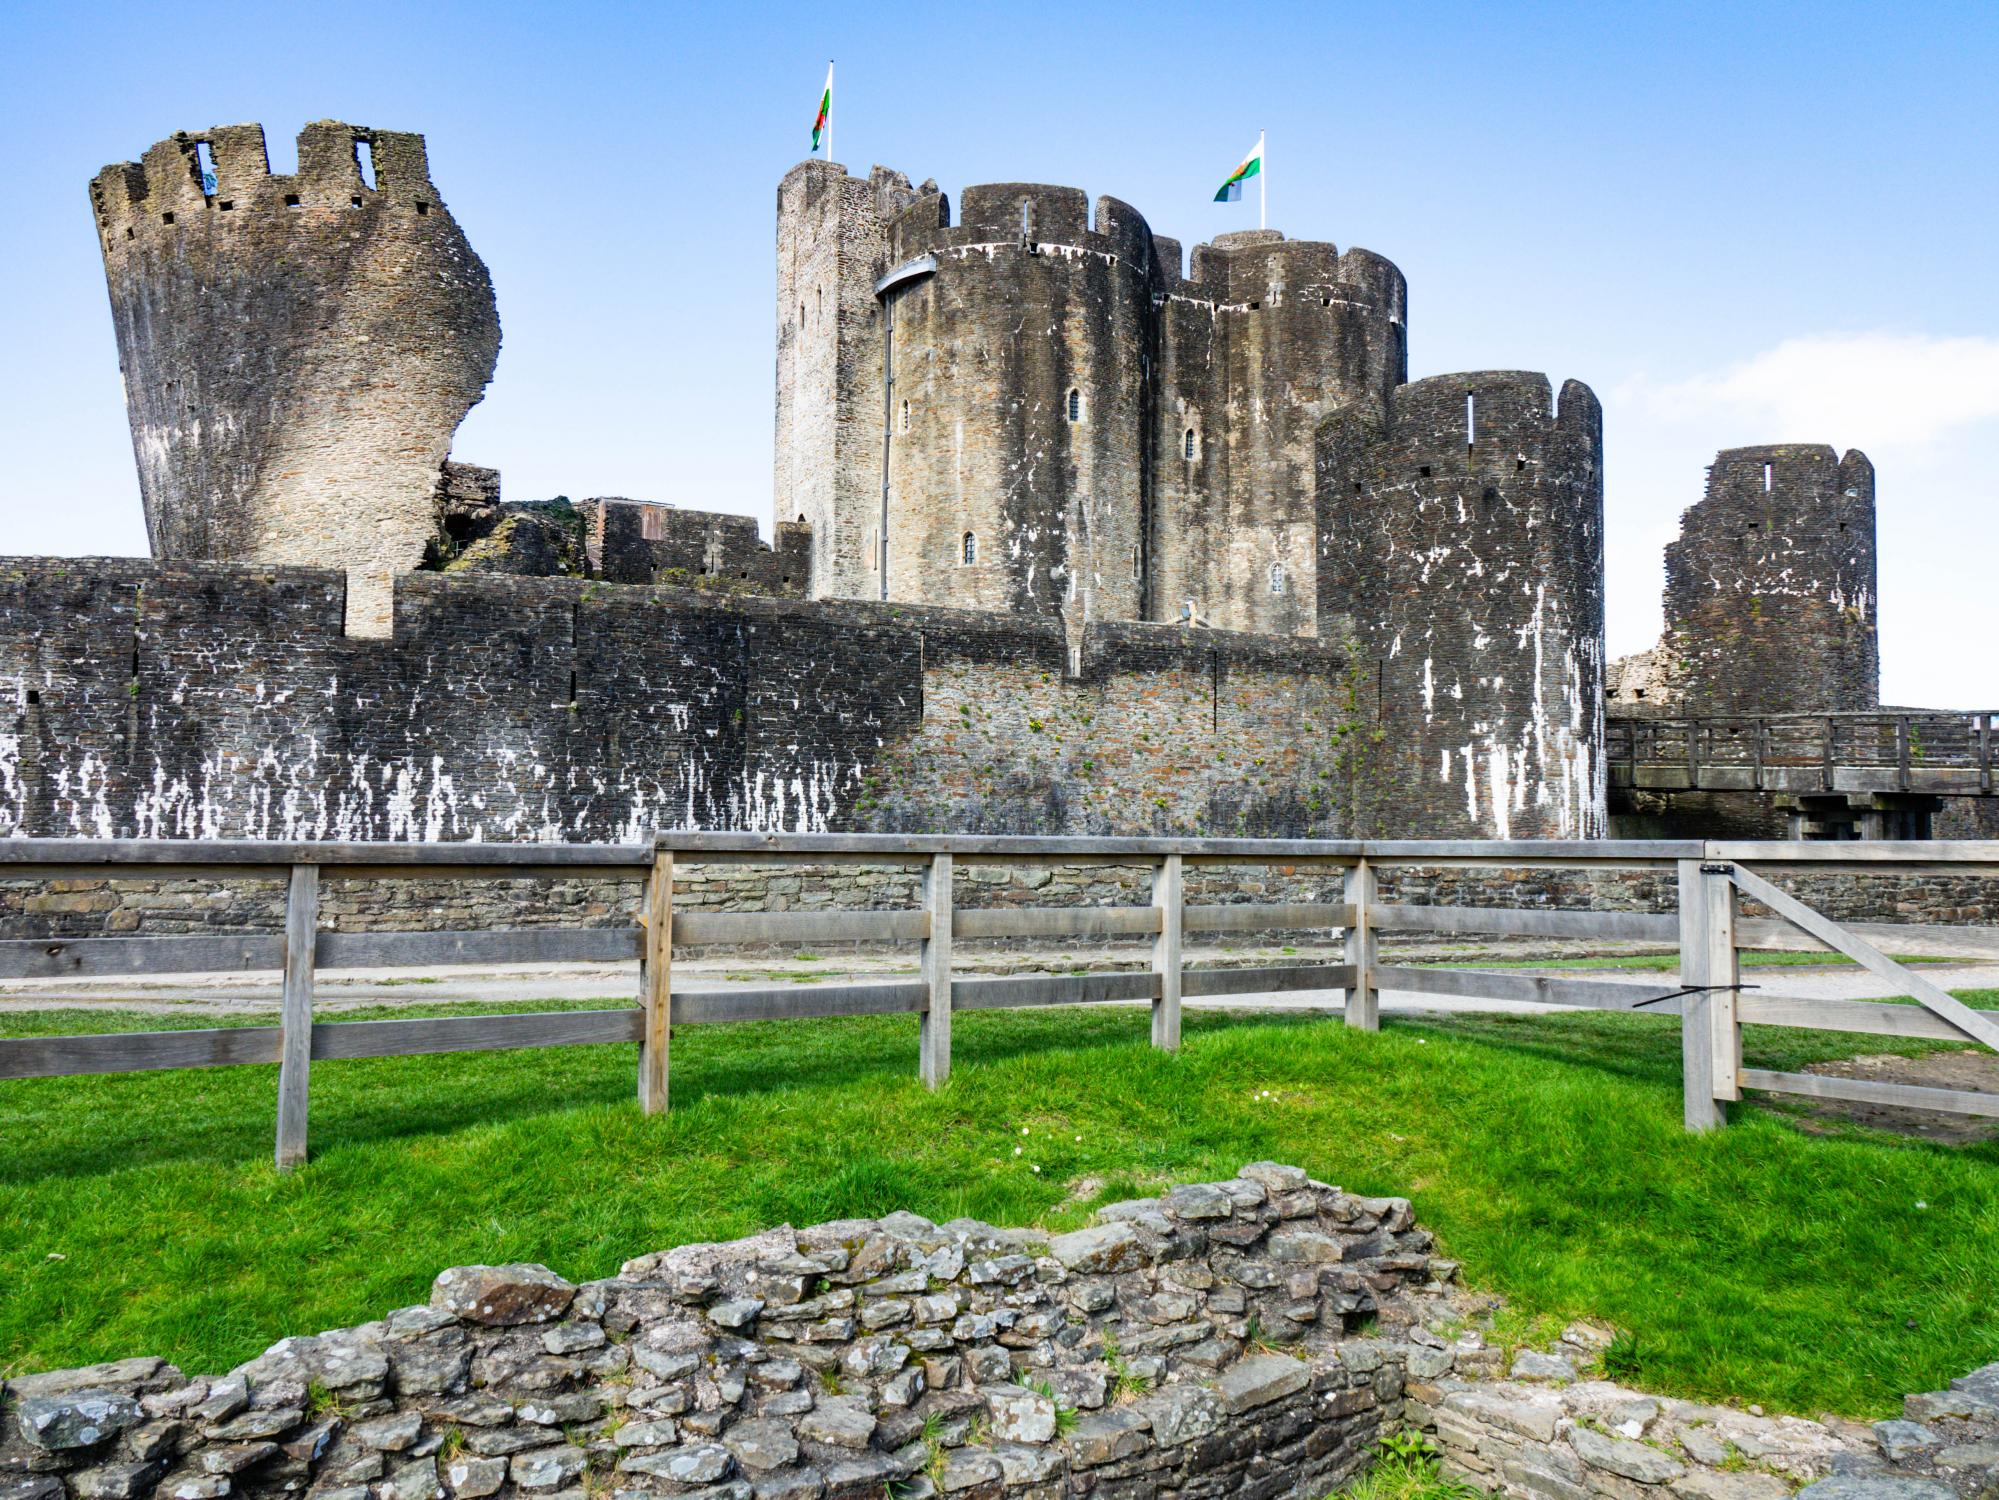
{"x":1738,"y":223}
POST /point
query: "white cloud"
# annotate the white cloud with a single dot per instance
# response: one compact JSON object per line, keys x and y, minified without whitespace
{"x":1859,"y":390}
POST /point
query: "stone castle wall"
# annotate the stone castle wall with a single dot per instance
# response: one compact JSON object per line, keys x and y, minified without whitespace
{"x":297,"y":350}
{"x":210,"y":701}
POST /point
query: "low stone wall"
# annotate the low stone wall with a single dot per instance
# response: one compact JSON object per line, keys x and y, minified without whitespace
{"x":98,"y":908}
{"x":1253,"y":1338}
{"x":1543,"y":1433}
{"x":1121,"y":1359}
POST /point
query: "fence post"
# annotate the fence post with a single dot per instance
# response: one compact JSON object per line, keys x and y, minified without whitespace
{"x":1167,"y":896}
{"x":656,"y":973}
{"x":934,"y":1041}
{"x":1363,"y":1004}
{"x":295,"y":1019}
{"x":1710,"y":1036}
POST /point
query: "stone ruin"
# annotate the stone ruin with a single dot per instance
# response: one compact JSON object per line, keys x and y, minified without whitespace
{"x":1251,"y":1338}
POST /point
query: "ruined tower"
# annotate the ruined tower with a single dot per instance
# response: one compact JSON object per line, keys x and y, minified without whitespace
{"x":297,"y":350}
{"x":1770,"y":586}
{"x":1462,"y":552}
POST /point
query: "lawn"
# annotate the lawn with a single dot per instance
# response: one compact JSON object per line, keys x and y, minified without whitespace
{"x":139,"y":1213}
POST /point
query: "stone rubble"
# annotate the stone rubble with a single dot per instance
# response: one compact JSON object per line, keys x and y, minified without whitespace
{"x":1254,"y":1337}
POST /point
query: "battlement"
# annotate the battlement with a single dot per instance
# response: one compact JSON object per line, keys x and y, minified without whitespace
{"x":170,"y":189}
{"x":1493,"y":423}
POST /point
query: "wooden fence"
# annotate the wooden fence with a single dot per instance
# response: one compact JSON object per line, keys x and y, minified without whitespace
{"x":1709,"y":999}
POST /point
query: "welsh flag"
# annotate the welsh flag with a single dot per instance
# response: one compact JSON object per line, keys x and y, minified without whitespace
{"x":1252,"y":164}
{"x":825,"y":109}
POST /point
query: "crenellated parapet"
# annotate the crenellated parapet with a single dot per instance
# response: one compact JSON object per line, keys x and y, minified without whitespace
{"x":298,"y":349}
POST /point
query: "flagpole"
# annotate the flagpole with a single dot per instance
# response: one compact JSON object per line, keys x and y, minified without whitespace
{"x":1262,"y":180}
{"x":829,"y":109}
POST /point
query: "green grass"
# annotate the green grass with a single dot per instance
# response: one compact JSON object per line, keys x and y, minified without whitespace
{"x":1759,"y":1263}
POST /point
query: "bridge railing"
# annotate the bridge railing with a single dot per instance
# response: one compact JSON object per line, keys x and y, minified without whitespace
{"x":1709,"y":998}
{"x":1941,"y":753}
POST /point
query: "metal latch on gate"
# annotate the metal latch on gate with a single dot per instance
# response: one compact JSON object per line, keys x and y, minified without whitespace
{"x":1693,"y":989}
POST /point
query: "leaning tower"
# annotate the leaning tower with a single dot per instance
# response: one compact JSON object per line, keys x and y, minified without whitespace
{"x":297,"y":351}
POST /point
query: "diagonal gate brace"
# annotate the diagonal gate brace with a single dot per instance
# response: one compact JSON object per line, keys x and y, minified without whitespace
{"x":1979,"y":1028}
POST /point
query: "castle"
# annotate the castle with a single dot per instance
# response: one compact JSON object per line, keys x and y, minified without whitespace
{"x":1070,"y":537}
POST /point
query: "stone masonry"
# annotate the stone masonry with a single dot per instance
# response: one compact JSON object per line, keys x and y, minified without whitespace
{"x":1770,"y":591}
{"x":1133,"y":1357}
{"x":297,"y":350}
{"x":1254,"y":1337}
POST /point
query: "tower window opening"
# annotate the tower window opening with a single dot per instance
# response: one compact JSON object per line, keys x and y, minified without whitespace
{"x":204,"y":163}
{"x":1769,"y":477}
{"x":291,"y":201}
{"x":1471,"y":419}
{"x":1137,"y":562}
{"x":355,"y":201}
{"x":969,"y":549}
{"x":422,"y":207}
{"x":130,"y":234}
{"x":1277,"y":578}
{"x":801,"y":315}
{"x":1075,"y":405}
{"x":364,"y":159}
{"x":166,"y":218}
{"x":1520,"y":466}
{"x":905,"y":416}
{"x":1187,"y":445}
{"x":1325,"y":302}
{"x":1424,"y":471}
{"x":225,"y":205}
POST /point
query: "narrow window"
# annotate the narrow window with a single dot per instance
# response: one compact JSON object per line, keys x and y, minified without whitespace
{"x":905,"y":427}
{"x":801,"y":315}
{"x":971,"y":548}
{"x":1471,"y":419}
{"x":291,"y":200}
{"x":1187,"y":445}
{"x":204,"y":161}
{"x":1137,"y":562}
{"x":364,"y":158}
{"x":422,"y":207}
{"x":874,"y":553}
{"x":1075,"y":405}
{"x":1277,"y":578}
{"x":131,"y":235}
{"x":1769,"y":477}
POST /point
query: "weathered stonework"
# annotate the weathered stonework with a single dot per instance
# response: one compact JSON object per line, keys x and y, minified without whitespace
{"x":1464,"y":551}
{"x":211,"y":701}
{"x":1254,"y":1337}
{"x":1770,"y":591}
{"x":825,"y":1362}
{"x":297,"y":350}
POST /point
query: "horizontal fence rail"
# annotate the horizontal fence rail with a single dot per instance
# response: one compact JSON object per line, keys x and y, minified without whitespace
{"x":1707,"y":998}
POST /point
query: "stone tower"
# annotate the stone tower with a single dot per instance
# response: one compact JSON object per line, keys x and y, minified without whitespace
{"x":832,"y":245}
{"x":1462,"y":551}
{"x":1770,"y":586}
{"x":297,"y":351}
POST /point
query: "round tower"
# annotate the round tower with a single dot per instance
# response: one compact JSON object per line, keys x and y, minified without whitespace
{"x":1463,"y":551}
{"x":1266,"y":339}
{"x":1013,"y":347}
{"x":297,"y":350}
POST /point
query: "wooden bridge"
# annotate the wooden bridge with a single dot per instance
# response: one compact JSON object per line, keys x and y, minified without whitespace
{"x":1926,"y":753}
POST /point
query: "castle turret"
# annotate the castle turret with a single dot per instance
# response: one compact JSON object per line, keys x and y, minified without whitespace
{"x":1770,"y":587}
{"x":1267,"y":339}
{"x":832,"y":246}
{"x":297,"y":350}
{"x":1463,"y":550}
{"x":1018,"y":401}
